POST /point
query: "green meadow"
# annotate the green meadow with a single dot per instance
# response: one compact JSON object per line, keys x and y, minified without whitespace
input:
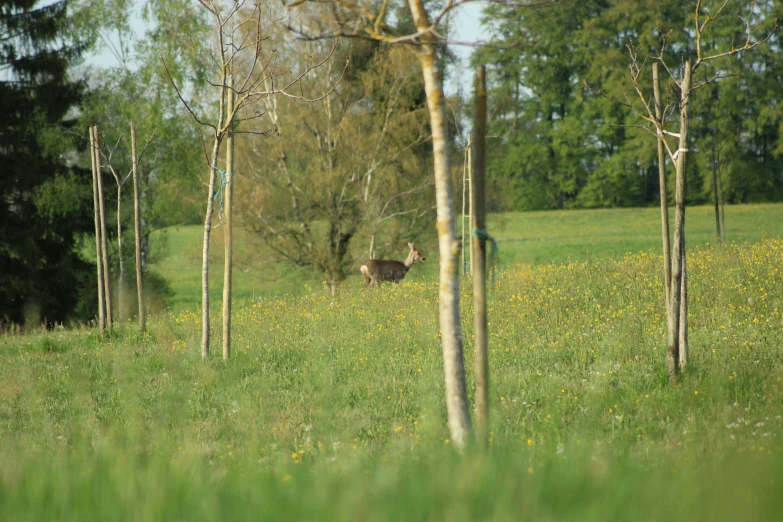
{"x":331,"y":407}
{"x":524,"y":238}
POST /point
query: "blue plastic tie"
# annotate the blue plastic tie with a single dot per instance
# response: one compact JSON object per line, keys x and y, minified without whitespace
{"x":223,"y":182}
{"x":482,"y":233}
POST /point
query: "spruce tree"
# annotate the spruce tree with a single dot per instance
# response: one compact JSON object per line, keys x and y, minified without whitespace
{"x":43,"y":198}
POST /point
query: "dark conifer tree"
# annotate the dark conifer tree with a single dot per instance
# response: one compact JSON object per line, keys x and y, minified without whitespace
{"x":44,"y":199}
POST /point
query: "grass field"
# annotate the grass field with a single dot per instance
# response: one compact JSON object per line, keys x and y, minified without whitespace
{"x":525,"y":238}
{"x":331,"y":407}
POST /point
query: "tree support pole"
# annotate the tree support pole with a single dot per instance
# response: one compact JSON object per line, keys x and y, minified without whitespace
{"x":98,"y":251}
{"x":228,"y":227}
{"x":479,"y":262}
{"x":137,"y":231}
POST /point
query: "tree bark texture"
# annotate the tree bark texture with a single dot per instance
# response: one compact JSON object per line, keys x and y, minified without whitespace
{"x":104,"y":241}
{"x":471,"y":210}
{"x":98,"y":252}
{"x":667,"y":261}
{"x":451,"y":335}
{"x":479,"y":265}
{"x":464,"y":215}
{"x":228,"y":227}
{"x":137,"y":231}
{"x":674,"y":357}
{"x":683,"y":333}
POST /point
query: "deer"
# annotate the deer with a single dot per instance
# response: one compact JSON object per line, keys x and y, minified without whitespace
{"x":377,"y":270}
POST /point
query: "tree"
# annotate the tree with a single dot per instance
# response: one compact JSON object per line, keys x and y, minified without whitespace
{"x":235,"y":57}
{"x":426,"y":34}
{"x":107,"y":154}
{"x":683,"y":81}
{"x":348,"y":168}
{"x":44,"y":198}
{"x":564,"y":148}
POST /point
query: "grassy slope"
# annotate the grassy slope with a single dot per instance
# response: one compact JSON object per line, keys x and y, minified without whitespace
{"x":331,"y":408}
{"x":524,"y":238}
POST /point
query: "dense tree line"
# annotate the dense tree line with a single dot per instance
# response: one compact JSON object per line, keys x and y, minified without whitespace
{"x":559,"y":77}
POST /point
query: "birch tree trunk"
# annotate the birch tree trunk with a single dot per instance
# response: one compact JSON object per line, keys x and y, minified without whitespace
{"x":667,"y":261}
{"x":104,"y":241}
{"x":98,"y":255}
{"x":479,"y":263}
{"x":137,"y":231}
{"x":451,"y":335}
{"x":674,"y":357}
{"x":228,"y":226}
{"x":205,"y":331}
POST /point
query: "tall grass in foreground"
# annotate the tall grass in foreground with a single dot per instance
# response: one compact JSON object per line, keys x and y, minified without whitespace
{"x":332,"y":407}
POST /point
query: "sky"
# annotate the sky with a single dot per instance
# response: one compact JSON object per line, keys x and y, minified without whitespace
{"x":465,"y":28}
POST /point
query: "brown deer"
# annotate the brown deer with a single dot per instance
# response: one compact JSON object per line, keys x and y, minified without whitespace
{"x":377,"y":270}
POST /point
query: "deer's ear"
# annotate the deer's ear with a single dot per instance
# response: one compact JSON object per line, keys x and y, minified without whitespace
{"x":411,"y":246}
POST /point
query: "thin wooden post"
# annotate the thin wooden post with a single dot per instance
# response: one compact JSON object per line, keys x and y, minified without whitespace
{"x":464,"y":199}
{"x":470,"y":195}
{"x":718,"y":233}
{"x":104,"y":241}
{"x":667,"y":261}
{"x":137,"y":232}
{"x":120,"y":258}
{"x":98,"y":254}
{"x":479,"y":238}
{"x":228,"y":225}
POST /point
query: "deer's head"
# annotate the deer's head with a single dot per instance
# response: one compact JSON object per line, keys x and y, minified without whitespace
{"x":414,"y":254}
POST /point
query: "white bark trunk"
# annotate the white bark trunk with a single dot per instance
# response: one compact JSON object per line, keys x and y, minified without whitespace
{"x":451,"y":334}
{"x":677,"y":354}
{"x":205,"y":330}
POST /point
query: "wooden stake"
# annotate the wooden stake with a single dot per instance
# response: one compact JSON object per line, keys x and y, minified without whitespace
{"x":228,"y":225}
{"x":470,"y":194}
{"x":667,"y":261}
{"x":98,"y":254}
{"x":479,"y":262}
{"x":137,"y":232}
{"x":104,"y":241}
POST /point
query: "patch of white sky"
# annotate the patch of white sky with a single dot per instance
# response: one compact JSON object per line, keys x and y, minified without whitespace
{"x":465,"y":28}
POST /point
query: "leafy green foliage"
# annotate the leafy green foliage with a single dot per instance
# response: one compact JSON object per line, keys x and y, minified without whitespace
{"x":562,"y":144}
